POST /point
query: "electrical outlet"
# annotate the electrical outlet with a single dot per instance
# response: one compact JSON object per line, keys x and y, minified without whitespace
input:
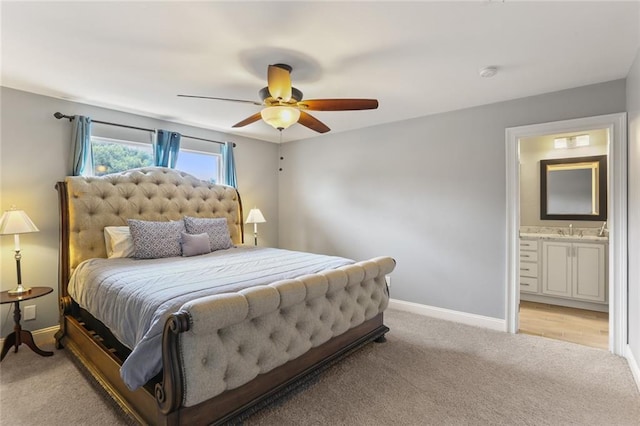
{"x":30,"y":312}
{"x":388,"y":278}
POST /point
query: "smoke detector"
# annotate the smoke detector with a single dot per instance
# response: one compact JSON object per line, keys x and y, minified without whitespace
{"x":488,"y":72}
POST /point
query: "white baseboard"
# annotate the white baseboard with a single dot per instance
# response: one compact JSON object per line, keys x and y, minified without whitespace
{"x":42,"y":336}
{"x":633,"y":365}
{"x":449,"y":315}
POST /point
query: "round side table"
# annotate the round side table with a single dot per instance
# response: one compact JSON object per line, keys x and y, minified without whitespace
{"x":20,"y":336}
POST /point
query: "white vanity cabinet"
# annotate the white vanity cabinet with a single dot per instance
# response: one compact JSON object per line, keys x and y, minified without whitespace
{"x":574,"y":269}
{"x":567,"y":271}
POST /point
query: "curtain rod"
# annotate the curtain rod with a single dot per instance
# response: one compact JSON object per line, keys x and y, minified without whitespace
{"x":60,"y":115}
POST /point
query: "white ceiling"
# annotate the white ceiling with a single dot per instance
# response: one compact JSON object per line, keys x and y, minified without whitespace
{"x":416,"y":58}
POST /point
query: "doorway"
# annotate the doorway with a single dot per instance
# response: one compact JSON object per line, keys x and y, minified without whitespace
{"x":563,"y":237}
{"x":615,"y":125}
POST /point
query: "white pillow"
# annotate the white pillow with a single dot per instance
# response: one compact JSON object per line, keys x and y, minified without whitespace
{"x":118,"y":241}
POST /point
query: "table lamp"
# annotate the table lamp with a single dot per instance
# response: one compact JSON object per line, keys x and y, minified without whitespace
{"x":17,"y":222}
{"x":255,"y":217}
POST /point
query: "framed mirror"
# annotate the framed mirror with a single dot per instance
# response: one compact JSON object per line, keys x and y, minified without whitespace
{"x":574,"y":188}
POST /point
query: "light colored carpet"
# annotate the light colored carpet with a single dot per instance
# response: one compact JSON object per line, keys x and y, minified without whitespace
{"x":430,"y":372}
{"x":37,"y":390}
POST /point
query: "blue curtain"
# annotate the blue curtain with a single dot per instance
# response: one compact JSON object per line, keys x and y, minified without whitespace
{"x":81,"y":152}
{"x":229,"y":165}
{"x":166,"y":147}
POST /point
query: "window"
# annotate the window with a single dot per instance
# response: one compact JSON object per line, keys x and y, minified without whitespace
{"x":112,"y":155}
{"x":115,"y":155}
{"x":206,"y":166}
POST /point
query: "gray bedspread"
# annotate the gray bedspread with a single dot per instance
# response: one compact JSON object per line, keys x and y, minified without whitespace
{"x":134,"y":298}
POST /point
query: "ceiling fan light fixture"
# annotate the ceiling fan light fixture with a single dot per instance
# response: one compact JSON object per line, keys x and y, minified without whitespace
{"x":280,"y":117}
{"x":283,"y":104}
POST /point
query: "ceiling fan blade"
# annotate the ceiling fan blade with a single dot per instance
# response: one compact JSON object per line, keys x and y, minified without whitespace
{"x":279,"y":82}
{"x":338,"y":104}
{"x":313,"y":123}
{"x":222,"y":99}
{"x":255,"y":117}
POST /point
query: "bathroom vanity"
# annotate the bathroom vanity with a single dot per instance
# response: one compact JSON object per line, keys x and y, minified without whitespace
{"x":562,"y":269}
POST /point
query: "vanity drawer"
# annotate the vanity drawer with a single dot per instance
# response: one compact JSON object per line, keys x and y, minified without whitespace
{"x":528,"y":270}
{"x":529,"y":284}
{"x":529,"y":256}
{"x":529,"y":245}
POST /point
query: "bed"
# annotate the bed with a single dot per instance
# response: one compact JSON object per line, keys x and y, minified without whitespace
{"x":219,"y":353}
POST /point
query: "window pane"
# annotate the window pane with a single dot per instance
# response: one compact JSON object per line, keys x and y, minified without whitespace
{"x":111,"y":156}
{"x":203,"y":165}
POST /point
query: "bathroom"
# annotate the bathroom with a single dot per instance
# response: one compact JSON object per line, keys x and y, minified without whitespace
{"x":564,"y":237}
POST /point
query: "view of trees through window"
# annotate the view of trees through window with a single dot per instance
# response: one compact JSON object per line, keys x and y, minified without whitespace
{"x":112,"y":156}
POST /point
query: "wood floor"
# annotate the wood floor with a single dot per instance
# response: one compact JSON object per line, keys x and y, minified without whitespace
{"x":580,"y":326}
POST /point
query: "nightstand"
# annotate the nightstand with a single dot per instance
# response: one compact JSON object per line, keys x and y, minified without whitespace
{"x":20,"y":336}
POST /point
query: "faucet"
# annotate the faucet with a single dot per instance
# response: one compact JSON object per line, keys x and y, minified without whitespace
{"x":571,"y":229}
{"x":601,"y":232}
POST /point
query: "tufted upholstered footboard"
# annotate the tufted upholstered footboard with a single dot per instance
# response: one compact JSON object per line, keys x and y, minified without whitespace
{"x":232,"y":338}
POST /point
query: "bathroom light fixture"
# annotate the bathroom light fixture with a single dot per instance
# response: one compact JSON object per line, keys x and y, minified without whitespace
{"x":280,"y":117}
{"x":581,"y":140}
{"x":571,"y":142}
{"x":561,"y":143}
{"x":488,"y":72}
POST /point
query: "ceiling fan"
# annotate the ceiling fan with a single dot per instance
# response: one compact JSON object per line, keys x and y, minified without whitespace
{"x":284,"y":106}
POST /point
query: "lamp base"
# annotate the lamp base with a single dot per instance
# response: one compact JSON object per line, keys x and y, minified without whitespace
{"x":19,"y":290}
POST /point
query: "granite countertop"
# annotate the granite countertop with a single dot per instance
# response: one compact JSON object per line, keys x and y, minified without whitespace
{"x":557,"y":233}
{"x":575,"y":237}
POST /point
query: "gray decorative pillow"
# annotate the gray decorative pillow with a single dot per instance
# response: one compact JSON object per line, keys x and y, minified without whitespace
{"x":217,"y":229}
{"x":195,"y":244}
{"x":153,"y":240}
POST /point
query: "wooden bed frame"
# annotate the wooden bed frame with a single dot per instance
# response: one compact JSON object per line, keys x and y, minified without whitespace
{"x":159,"y":402}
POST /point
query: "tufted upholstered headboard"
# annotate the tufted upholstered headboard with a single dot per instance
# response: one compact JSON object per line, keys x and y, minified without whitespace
{"x":88,"y":204}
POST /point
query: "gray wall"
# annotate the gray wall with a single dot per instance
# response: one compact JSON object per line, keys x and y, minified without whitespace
{"x":34,"y":155}
{"x":633,"y":110}
{"x":428,"y":191}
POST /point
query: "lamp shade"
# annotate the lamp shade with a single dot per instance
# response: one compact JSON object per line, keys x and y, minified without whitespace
{"x":16,"y":222}
{"x":255,"y":216}
{"x":280,"y":117}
